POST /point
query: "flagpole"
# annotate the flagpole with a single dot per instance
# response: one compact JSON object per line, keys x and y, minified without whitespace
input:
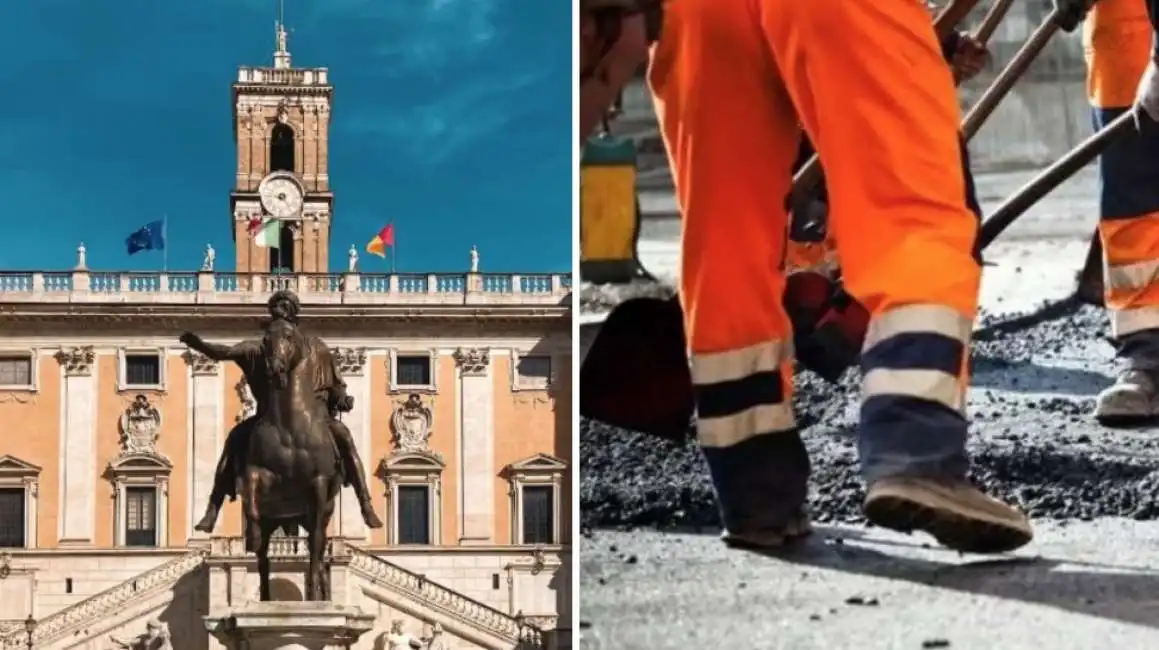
{"x":164,"y":243}
{"x":392,"y":259}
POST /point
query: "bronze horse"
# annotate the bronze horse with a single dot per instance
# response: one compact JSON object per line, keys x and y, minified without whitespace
{"x":292,"y":471}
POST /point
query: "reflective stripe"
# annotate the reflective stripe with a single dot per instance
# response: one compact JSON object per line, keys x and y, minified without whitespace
{"x":732,"y":430}
{"x":930,"y":385}
{"x":718,"y":367}
{"x":933,"y":319}
{"x":1139,"y":275}
{"x":1129,"y":321}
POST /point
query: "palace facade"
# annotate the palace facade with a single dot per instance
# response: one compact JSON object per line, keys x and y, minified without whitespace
{"x":111,"y":429}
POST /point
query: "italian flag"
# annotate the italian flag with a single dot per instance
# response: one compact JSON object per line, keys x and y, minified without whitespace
{"x":266,"y":232}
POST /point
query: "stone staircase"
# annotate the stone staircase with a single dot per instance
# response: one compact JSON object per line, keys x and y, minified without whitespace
{"x":94,"y":609}
{"x":462,"y":609}
{"x":80,"y":624}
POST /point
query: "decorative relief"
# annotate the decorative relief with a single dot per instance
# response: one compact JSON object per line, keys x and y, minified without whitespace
{"x":351,"y":361}
{"x":200,"y":364}
{"x":434,"y":641}
{"x":249,"y":404}
{"x":534,"y":562}
{"x":396,"y":639}
{"x":155,"y":637}
{"x":5,"y":565}
{"x":140,"y":428}
{"x":473,"y":361}
{"x":412,"y":422}
{"x":78,"y":361}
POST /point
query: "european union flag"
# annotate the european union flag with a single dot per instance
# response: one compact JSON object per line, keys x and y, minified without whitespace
{"x":150,"y":237}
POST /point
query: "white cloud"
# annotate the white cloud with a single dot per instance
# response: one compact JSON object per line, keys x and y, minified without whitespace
{"x":430,"y":133}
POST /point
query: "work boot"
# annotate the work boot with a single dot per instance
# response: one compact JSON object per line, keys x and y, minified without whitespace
{"x":1132,"y":400}
{"x":960,"y":516}
{"x":796,"y":528}
{"x":761,"y":488}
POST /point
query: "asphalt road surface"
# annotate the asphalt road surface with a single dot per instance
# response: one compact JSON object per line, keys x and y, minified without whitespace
{"x":654,"y":576}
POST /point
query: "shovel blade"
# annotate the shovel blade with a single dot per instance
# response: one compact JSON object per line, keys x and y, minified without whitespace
{"x":636,"y":374}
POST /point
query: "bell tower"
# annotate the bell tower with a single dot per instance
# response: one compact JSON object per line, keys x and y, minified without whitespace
{"x":281,"y":124}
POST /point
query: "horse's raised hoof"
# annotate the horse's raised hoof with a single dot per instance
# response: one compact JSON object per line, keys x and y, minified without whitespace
{"x":207,"y":523}
{"x":371,"y":519}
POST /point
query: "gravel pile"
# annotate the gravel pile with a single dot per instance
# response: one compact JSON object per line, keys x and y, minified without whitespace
{"x":1034,"y":444}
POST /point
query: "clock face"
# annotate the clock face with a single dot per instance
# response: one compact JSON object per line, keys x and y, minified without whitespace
{"x":281,"y":196}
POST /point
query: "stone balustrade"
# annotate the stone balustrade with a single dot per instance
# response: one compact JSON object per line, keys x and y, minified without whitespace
{"x":210,"y":287}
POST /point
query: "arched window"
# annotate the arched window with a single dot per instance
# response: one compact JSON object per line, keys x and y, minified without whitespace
{"x":282,"y":148}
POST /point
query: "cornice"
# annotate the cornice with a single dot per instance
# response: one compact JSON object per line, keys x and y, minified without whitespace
{"x":106,"y":317}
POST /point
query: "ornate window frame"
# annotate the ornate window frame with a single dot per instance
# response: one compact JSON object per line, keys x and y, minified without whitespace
{"x":537,"y":470}
{"x":123,"y":384}
{"x":392,"y":370}
{"x":21,"y":474}
{"x":414,"y":468}
{"x":33,"y":357}
{"x":518,"y":382}
{"x":135,"y":469}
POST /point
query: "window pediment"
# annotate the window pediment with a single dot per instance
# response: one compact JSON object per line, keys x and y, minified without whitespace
{"x":140,"y":464}
{"x":13,"y":467}
{"x":412,"y":461}
{"x":539,"y":464}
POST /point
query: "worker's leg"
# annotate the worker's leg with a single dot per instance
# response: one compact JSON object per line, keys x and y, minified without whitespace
{"x":878,"y":103}
{"x":731,"y":137}
{"x":1118,"y":40}
{"x":1129,"y":227}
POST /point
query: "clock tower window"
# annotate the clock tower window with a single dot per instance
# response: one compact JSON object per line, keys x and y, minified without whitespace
{"x":282,"y":148}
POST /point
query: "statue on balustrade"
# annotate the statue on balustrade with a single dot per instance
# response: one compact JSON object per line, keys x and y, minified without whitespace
{"x":289,"y":461}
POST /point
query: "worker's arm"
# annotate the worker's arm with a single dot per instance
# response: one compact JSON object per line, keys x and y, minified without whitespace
{"x":613,"y":45}
{"x":1153,"y":12}
{"x":950,"y":45}
{"x":966,"y":55}
{"x":1069,"y":13}
{"x":1147,"y":99}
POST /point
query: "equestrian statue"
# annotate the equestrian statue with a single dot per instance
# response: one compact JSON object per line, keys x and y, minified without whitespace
{"x":288,"y":461}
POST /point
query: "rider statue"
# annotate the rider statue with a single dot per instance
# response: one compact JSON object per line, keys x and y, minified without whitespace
{"x":283,"y":306}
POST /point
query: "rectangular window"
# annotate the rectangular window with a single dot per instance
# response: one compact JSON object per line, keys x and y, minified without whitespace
{"x":414,"y":514}
{"x":12,"y":518}
{"x":534,"y":370}
{"x":413,"y":370}
{"x":538,"y":514}
{"x":15,"y":370}
{"x":141,"y":516}
{"x":142,"y":369}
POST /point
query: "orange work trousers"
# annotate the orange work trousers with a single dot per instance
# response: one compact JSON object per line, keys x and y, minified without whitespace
{"x":732,"y":81}
{"x":1117,"y":37}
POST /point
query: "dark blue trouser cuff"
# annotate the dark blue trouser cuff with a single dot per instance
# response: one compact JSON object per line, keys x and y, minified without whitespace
{"x":906,"y":436}
{"x":761,"y":483}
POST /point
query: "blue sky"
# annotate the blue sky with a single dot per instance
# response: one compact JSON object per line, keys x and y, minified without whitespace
{"x":451,"y":117}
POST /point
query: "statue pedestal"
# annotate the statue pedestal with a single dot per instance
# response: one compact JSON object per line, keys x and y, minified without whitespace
{"x":290,"y":626}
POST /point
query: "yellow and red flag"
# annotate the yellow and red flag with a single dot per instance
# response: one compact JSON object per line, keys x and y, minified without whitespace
{"x":383,"y":240}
